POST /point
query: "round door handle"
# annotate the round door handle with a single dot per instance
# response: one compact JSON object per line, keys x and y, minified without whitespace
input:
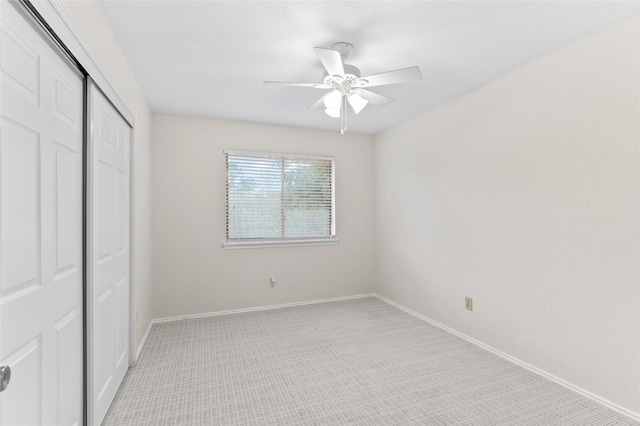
{"x":5,"y":377}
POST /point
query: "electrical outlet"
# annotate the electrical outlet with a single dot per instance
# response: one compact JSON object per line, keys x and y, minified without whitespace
{"x":273,"y":282}
{"x":468,"y":303}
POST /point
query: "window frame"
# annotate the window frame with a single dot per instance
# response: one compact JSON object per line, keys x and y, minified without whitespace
{"x":260,"y":242}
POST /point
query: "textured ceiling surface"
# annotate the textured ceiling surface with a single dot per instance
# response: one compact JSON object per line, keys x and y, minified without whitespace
{"x":209,"y":58}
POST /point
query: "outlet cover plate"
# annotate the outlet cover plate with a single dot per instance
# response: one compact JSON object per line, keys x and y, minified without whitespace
{"x":468,"y":303}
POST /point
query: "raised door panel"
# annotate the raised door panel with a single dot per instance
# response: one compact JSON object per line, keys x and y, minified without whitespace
{"x":20,"y":63}
{"x":67,"y":186}
{"x":104,"y":214}
{"x":20,"y":228}
{"x":67,"y":329}
{"x":105,"y":343}
{"x":122,"y":215}
{"x":26,"y":391}
{"x":66,"y":103}
{"x":122,"y":323}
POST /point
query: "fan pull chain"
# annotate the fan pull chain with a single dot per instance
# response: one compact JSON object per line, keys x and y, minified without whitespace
{"x":343,"y":115}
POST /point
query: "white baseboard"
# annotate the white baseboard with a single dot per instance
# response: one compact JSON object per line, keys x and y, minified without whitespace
{"x":583,"y":392}
{"x":144,"y":339}
{"x":260,"y":308}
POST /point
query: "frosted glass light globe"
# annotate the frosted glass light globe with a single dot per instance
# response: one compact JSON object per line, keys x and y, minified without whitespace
{"x":333,"y":100}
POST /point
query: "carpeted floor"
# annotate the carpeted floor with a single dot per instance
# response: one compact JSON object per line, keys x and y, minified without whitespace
{"x":355,"y":362}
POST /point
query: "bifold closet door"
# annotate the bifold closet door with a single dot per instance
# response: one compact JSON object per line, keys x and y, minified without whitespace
{"x":41,"y":150}
{"x":109,"y":252}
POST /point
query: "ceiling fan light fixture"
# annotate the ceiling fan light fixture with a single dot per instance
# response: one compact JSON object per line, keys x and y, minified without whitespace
{"x":357,"y":102}
{"x":333,"y":100}
{"x":335,"y":113}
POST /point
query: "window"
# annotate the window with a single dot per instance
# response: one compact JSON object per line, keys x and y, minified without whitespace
{"x":278,"y":199}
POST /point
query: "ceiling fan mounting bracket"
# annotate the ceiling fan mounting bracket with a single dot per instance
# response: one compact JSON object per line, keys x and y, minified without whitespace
{"x":345,"y":49}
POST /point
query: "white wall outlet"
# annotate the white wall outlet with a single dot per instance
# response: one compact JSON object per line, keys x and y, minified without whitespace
{"x":273,"y":281}
{"x":468,"y":303}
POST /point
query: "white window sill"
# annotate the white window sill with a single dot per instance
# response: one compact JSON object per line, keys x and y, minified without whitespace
{"x":278,"y":243}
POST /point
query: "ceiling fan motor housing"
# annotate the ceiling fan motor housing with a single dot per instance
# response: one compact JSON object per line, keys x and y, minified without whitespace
{"x":344,"y":83}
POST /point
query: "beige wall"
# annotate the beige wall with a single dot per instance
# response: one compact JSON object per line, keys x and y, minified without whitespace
{"x":91,"y":20}
{"x":525,"y":196}
{"x":194,"y":274}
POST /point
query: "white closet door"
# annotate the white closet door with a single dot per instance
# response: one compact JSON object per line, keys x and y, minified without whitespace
{"x":110,"y":156}
{"x":41,"y":267}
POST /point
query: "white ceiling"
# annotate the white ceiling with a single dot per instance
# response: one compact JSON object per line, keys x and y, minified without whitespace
{"x":209,"y":58}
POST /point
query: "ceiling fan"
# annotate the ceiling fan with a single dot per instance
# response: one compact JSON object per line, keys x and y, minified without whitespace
{"x":346,"y":85}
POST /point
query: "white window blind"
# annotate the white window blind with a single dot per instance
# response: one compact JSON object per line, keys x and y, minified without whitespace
{"x":276,"y":198}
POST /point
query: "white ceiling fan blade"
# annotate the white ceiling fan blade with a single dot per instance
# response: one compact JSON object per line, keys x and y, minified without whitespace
{"x":285,"y":83}
{"x":319,"y":103}
{"x":402,"y":75}
{"x":331,"y":60}
{"x":374,"y":98}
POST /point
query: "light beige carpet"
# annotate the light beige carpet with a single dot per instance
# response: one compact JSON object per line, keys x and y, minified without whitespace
{"x":356,"y":362}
